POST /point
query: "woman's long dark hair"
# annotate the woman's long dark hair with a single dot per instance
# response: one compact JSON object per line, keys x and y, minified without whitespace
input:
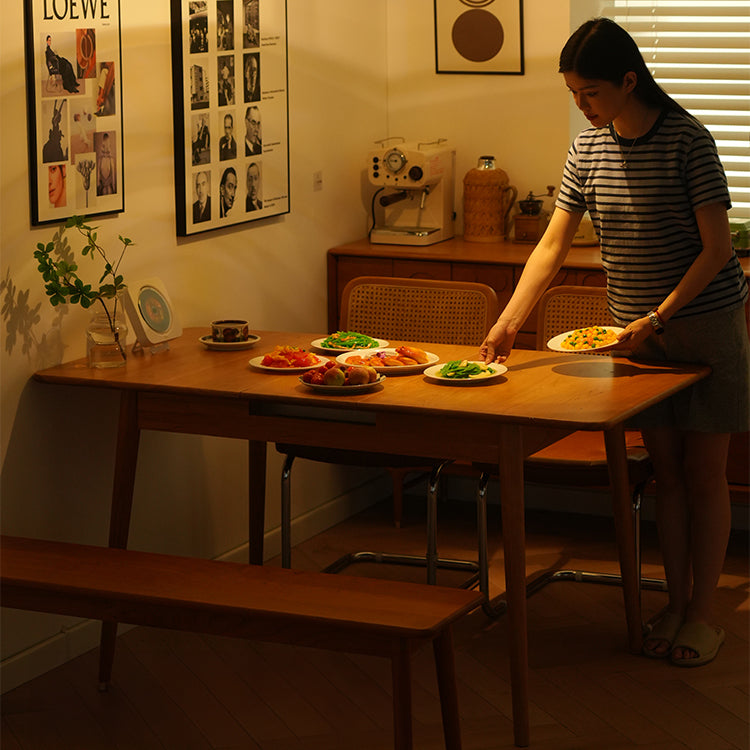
{"x":601,"y":49}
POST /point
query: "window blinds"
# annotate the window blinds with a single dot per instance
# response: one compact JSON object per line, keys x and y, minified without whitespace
{"x":699,"y":53}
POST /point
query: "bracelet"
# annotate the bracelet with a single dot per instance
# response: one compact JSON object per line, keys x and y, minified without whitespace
{"x":656,"y":322}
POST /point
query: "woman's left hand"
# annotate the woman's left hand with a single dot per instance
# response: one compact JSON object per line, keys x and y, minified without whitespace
{"x":634,"y":334}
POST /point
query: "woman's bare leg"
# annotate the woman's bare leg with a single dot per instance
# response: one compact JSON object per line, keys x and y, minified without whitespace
{"x":711,"y":520}
{"x":693,"y":517}
{"x":672,"y":520}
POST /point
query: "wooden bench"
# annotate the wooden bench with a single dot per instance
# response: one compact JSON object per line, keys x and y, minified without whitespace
{"x":337,"y":612}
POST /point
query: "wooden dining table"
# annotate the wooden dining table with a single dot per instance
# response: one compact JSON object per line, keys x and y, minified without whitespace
{"x":542,"y":397}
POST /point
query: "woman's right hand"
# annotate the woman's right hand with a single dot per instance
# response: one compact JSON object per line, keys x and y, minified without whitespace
{"x":498,"y":343}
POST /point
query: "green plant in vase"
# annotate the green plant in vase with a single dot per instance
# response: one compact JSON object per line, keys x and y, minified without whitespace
{"x":63,"y":285}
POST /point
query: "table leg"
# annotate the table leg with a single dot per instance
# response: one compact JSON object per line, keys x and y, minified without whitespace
{"x":614,"y":441}
{"x":514,"y":545}
{"x":256,"y":500}
{"x":126,"y":457}
{"x":401,"y":682}
{"x":445,"y":666}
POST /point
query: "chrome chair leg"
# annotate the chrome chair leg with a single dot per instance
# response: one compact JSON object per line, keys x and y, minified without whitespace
{"x":286,"y":512}
{"x":432,"y":553}
{"x":613,"y":579}
{"x":430,"y":560}
{"x":497,"y":606}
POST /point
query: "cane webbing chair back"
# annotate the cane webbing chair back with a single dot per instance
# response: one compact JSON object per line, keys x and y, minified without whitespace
{"x":426,"y":310}
{"x":565,"y":308}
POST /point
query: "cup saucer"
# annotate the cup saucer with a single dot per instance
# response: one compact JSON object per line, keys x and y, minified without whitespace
{"x":223,"y":346}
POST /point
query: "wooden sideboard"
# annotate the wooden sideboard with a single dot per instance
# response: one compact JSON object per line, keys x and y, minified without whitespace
{"x":498,"y":264}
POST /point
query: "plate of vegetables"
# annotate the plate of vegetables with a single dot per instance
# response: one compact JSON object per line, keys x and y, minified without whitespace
{"x":343,"y":341}
{"x":286,"y":359}
{"x":588,"y":339}
{"x":464,"y":372}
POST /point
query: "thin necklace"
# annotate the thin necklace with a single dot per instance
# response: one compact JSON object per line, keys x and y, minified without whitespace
{"x":625,"y":157}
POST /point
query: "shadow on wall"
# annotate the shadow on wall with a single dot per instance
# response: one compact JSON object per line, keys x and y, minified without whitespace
{"x":56,"y":480}
{"x":20,"y":319}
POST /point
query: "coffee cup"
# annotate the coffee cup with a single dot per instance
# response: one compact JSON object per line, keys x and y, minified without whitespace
{"x":229,"y":331}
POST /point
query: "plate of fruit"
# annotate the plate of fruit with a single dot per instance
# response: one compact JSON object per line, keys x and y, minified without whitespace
{"x":341,"y":380}
{"x":286,"y":359}
{"x":345,"y":341}
{"x":401,"y":360}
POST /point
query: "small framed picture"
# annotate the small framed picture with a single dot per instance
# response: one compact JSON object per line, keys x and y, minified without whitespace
{"x":74,"y":104}
{"x":151,"y":314}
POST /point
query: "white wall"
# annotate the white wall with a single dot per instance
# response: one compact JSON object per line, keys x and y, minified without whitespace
{"x":347,"y":87}
{"x":521,"y":120}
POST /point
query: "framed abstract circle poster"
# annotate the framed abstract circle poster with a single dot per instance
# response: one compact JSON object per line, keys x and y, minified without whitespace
{"x":74,"y":104}
{"x":231,"y":129}
{"x":479,"y":36}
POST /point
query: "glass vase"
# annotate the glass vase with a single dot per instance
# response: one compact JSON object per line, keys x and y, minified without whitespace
{"x":106,"y":334}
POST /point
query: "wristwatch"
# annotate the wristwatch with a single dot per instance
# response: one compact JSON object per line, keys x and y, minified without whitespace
{"x":656,"y":321}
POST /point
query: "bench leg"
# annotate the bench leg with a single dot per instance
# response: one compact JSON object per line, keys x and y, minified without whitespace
{"x":401,"y":676}
{"x":107,"y":641}
{"x":446,"y":677}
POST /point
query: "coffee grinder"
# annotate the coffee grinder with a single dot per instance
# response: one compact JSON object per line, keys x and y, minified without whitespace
{"x":417,"y":184}
{"x":530,"y":223}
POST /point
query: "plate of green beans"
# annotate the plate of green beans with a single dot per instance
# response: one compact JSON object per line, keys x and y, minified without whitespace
{"x":464,"y":372}
{"x":342,"y":341}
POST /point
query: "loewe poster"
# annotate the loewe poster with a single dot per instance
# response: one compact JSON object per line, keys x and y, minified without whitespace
{"x":74,"y":103}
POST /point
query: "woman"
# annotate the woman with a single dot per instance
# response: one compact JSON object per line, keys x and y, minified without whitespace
{"x":649,"y":175}
{"x":56,"y":187}
{"x":61,"y":65}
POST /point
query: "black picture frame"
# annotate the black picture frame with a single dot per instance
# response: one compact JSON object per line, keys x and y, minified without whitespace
{"x":231,"y":112}
{"x":74,"y":109}
{"x":479,"y":37}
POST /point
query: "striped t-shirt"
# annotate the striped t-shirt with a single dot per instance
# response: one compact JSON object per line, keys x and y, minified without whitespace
{"x":643,"y":212}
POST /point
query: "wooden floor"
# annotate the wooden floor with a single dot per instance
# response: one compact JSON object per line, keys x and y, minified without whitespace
{"x":179,"y":691}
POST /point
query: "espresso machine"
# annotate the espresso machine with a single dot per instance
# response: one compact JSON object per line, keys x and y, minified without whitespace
{"x":415,"y":199}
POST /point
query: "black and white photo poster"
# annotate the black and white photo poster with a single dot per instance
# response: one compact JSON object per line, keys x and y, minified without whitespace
{"x":74,"y":103}
{"x":229,"y":70}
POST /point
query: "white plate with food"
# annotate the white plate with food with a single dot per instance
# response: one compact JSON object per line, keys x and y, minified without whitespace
{"x":228,"y":346}
{"x":465,"y":372}
{"x":587,"y":339}
{"x":343,"y":390}
{"x":346,"y":341}
{"x":284,"y":359}
{"x":401,"y":360}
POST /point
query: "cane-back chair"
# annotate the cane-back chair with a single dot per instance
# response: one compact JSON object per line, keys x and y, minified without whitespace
{"x":419,"y":311}
{"x":580,"y":459}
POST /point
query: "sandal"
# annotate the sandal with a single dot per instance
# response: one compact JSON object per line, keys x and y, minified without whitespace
{"x":704,"y":639}
{"x":666,"y":629}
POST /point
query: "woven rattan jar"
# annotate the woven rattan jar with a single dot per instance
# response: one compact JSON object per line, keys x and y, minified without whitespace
{"x":488,"y":198}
